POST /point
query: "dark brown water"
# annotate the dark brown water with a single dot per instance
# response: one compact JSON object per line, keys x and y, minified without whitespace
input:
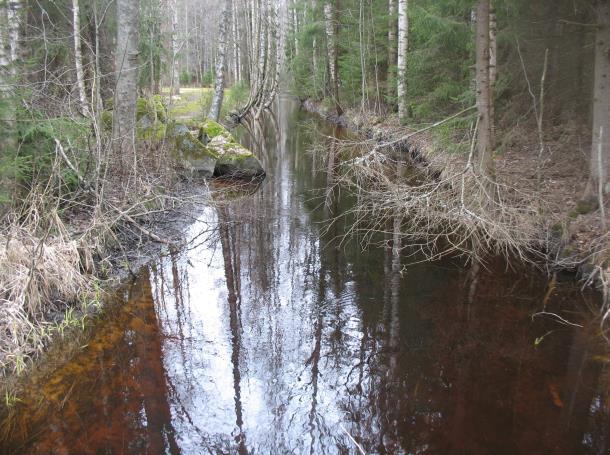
{"x":271,"y":337}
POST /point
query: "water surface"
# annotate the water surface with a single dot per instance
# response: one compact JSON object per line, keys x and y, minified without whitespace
{"x":271,"y":335}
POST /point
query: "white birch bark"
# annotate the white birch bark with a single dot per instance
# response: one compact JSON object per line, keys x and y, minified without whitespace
{"x":493,"y":73}
{"x":78,"y":60}
{"x":234,"y":28}
{"x":127,"y":78}
{"x":403,"y":44}
{"x":219,"y":85}
{"x":175,"y":73}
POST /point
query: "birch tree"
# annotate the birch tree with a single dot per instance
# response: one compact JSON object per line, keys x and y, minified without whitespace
{"x":127,"y":78}
{"x":219,"y":85}
{"x":391,"y":45}
{"x":331,"y":48}
{"x":78,"y":59}
{"x":175,"y":71}
{"x":403,"y":44}
{"x":8,"y":138}
{"x":599,"y":177}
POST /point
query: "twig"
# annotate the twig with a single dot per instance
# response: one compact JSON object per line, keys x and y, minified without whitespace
{"x":555,"y":315}
{"x":360,"y":449}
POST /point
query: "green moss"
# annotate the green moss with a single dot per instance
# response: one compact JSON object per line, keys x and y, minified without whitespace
{"x":585,"y":206}
{"x":191,"y":148}
{"x":106,"y":119}
{"x":154,"y":132}
{"x":212,"y":128}
{"x":153,"y":107}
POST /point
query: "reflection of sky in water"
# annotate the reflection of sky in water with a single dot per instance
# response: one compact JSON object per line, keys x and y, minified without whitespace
{"x":283,"y":405}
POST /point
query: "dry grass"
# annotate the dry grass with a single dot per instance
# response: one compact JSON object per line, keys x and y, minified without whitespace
{"x":37,"y":275}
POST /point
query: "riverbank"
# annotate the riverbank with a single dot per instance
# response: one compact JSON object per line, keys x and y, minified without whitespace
{"x":555,"y":183}
{"x":63,"y":253}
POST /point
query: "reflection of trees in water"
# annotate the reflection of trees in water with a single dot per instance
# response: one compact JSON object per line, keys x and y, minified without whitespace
{"x":232,"y":262}
{"x":159,"y":429}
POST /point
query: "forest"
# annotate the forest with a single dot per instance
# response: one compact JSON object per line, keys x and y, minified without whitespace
{"x":405,"y":156}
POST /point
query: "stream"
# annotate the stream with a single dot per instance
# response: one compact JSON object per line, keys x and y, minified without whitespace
{"x":274,"y":333}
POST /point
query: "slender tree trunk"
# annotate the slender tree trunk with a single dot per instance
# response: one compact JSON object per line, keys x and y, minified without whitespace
{"x":331,"y":47}
{"x":127,"y":79}
{"x":403,"y":44}
{"x":493,"y":73}
{"x":392,"y":27}
{"x":599,"y":177}
{"x":219,"y":86}
{"x":234,"y":26}
{"x":175,"y":76}
{"x":78,"y":59}
{"x":295,"y":28}
{"x":483,"y":89}
{"x":14,"y":26}
{"x":8,"y":124}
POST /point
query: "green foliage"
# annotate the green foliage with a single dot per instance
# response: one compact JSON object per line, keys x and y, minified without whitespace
{"x":440,"y":56}
{"x":207,"y":79}
{"x":186,"y":78}
{"x":235,"y":97}
{"x":152,"y":53}
{"x":37,"y":147}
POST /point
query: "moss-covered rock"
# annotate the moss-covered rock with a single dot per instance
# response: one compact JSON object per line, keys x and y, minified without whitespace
{"x":150,"y":129}
{"x":233,"y":159}
{"x":209,"y":129}
{"x":220,"y":155}
{"x":153,"y":107}
{"x":193,"y":155}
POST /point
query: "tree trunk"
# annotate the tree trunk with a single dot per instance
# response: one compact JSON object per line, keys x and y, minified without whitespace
{"x":331,"y":47}
{"x":78,"y":59}
{"x":403,"y":44}
{"x":8,"y":125}
{"x":234,"y":26}
{"x":391,"y":47}
{"x":600,"y":145}
{"x":483,"y":89}
{"x":175,"y":81}
{"x":127,"y":79}
{"x":493,"y":73}
{"x":219,"y":85}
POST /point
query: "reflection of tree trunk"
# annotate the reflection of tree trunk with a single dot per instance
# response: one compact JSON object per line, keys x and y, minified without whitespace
{"x":314,"y":359}
{"x":179,"y":304}
{"x":151,"y":372}
{"x":232,"y":273}
{"x":579,"y":390}
{"x":395,"y":281}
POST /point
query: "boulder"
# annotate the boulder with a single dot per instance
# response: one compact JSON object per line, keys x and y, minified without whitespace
{"x":151,"y":129}
{"x":234,"y":160}
{"x":208,"y":149}
{"x":192,"y":154}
